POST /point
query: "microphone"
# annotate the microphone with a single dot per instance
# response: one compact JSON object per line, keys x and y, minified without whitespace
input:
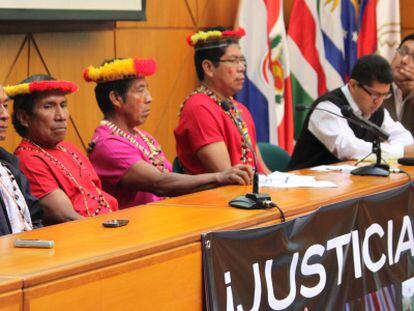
{"x":373,"y":128}
{"x":254,"y":199}
{"x":227,"y":106}
{"x":303,"y":107}
{"x":376,"y":169}
{"x":349,"y":115}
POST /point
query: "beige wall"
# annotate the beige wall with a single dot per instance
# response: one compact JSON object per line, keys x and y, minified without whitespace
{"x":162,"y":36}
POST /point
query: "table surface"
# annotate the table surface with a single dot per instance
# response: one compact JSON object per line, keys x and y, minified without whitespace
{"x":85,"y":245}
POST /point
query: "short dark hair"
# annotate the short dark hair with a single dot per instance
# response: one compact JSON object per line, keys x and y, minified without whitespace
{"x":372,"y":68}
{"x":211,"y":54}
{"x":25,"y":102}
{"x":406,"y":38}
{"x":102,"y":91}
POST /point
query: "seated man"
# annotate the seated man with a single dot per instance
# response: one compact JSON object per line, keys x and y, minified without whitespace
{"x":215,"y":131}
{"x":59,"y":174}
{"x":19,"y":210}
{"x":401,"y":104}
{"x":327,"y":139}
{"x":128,"y":160}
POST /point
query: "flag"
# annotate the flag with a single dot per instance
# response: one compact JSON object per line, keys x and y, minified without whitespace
{"x":323,"y":46}
{"x":367,"y":38}
{"x":266,"y":90}
{"x":388,"y":27}
{"x":306,"y":52}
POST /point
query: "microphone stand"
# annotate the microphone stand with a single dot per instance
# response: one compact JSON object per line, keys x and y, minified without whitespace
{"x":254,"y":199}
{"x":377,"y":169}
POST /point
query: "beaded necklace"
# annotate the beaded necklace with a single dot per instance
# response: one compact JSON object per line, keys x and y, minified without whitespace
{"x":102,"y":202}
{"x":154,"y":153}
{"x":12,"y":190}
{"x":234,"y":114}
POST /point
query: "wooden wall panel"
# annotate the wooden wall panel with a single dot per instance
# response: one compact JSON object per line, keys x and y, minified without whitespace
{"x":9,"y":50}
{"x":407,"y":17}
{"x":82,"y":49}
{"x":166,"y":14}
{"x":217,"y":12}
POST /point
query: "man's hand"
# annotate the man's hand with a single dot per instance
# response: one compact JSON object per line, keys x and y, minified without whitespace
{"x":239,"y":174}
{"x":406,"y":85}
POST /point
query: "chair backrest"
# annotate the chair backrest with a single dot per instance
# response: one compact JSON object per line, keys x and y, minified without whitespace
{"x":177,"y":168}
{"x":275,"y":157}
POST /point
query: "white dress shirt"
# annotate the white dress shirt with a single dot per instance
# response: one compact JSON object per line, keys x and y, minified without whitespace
{"x":17,"y":210}
{"x":335,"y":133}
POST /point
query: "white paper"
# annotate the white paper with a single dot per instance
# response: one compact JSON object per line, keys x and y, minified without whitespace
{"x":335,"y":168}
{"x":288,"y":180}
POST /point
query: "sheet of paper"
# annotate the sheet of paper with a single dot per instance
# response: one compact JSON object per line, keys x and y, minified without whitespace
{"x":335,"y":168}
{"x":288,"y":180}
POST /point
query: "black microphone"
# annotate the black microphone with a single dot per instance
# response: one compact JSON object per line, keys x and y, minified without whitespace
{"x":303,"y":107}
{"x":254,"y":199}
{"x":373,"y":128}
{"x":376,"y":169}
{"x":227,"y":106}
{"x":349,"y":115}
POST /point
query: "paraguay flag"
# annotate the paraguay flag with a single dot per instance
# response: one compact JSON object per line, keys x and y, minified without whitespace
{"x":266,"y":91}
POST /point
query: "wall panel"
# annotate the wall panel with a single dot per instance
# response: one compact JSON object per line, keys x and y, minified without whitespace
{"x":217,"y":12}
{"x":15,"y":67}
{"x":82,"y":49}
{"x":165,"y":14}
{"x":407,"y":16}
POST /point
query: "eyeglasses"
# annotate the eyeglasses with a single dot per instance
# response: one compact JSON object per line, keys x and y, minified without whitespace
{"x":375,"y":95}
{"x":405,"y":51}
{"x":233,"y":61}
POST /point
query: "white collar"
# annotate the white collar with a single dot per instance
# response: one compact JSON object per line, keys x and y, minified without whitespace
{"x":351,"y":101}
{"x":398,"y":94}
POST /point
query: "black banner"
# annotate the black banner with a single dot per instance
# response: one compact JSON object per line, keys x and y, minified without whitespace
{"x":353,"y":255}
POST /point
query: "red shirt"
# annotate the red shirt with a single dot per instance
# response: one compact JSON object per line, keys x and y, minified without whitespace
{"x":203,"y":122}
{"x":45,"y":176}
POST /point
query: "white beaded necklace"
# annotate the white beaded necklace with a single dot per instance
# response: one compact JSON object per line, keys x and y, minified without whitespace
{"x":154,"y":152}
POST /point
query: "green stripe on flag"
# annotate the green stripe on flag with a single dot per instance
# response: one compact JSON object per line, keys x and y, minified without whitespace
{"x":299,"y":97}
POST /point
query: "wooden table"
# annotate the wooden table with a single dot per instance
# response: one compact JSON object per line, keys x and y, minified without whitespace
{"x":155,"y":262}
{"x":11,"y":294}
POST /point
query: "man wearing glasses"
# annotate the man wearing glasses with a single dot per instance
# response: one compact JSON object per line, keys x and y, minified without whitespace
{"x":215,"y":131}
{"x":327,"y":138}
{"x":401,"y":104}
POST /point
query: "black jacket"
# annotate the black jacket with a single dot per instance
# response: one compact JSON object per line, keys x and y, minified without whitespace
{"x":32,"y":202}
{"x":309,"y":151}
